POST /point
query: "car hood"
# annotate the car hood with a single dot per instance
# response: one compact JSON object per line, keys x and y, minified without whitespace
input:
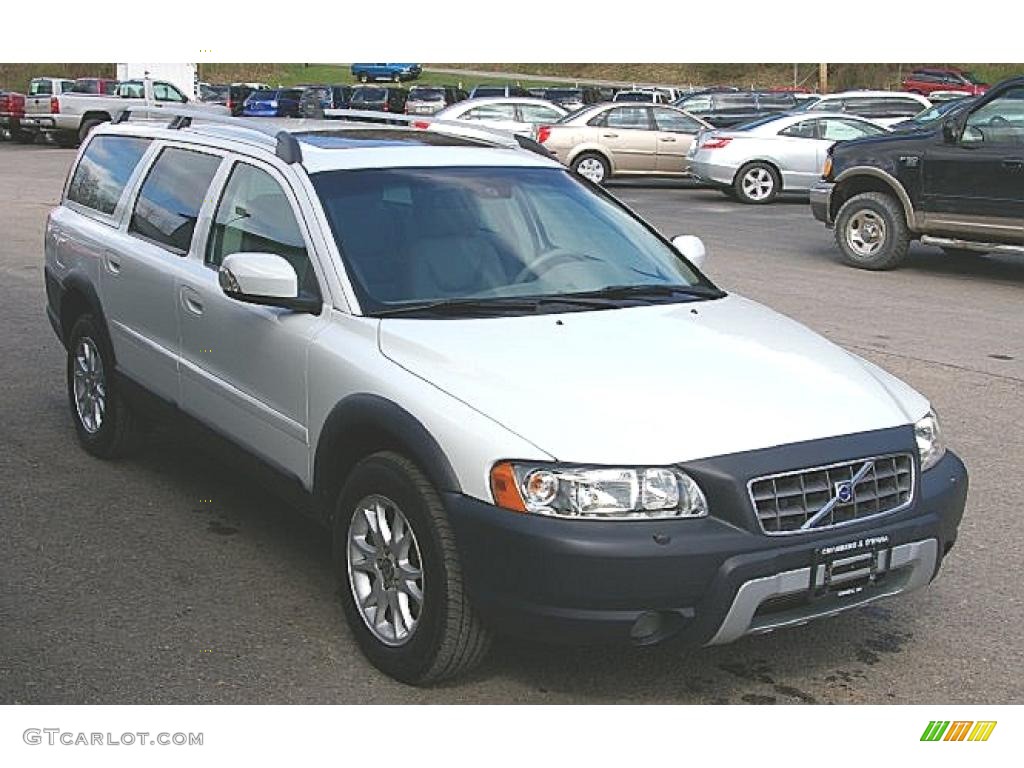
{"x":654,"y":384}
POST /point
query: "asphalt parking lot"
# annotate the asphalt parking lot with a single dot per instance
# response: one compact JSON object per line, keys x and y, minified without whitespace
{"x":170,"y":578}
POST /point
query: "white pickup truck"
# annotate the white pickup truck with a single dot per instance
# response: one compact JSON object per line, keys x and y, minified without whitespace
{"x":69,"y":117}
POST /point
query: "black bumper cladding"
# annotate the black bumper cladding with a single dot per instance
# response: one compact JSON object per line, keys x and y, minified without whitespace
{"x":708,"y":580}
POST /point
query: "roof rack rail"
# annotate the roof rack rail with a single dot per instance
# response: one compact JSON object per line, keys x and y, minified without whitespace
{"x":289,"y":149}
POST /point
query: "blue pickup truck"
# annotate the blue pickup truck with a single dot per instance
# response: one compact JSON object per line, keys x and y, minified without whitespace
{"x":396,"y":73}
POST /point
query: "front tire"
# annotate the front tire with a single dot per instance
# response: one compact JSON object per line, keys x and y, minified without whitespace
{"x":592,"y":167}
{"x":401,"y":579}
{"x":105,"y":424}
{"x":871,"y":231}
{"x":757,"y":184}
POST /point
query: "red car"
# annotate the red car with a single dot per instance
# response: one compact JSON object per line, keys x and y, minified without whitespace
{"x":927,"y":80}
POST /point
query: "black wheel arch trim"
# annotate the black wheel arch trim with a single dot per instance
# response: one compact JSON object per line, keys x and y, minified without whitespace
{"x":75,"y":282}
{"x":887,"y":178}
{"x":394,"y":427}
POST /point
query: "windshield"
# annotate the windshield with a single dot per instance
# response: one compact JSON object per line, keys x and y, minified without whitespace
{"x":564,"y":93}
{"x":634,"y":96}
{"x":40,"y":88}
{"x":483,"y":92}
{"x":263,"y":95}
{"x":413,"y":237}
{"x":369,"y":94}
{"x":426,"y":94}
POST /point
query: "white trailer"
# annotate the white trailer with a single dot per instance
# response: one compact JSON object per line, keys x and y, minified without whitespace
{"x":184,"y":76}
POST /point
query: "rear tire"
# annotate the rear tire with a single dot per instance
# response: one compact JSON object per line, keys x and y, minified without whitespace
{"x":757,"y":184}
{"x":104,"y":422}
{"x":86,"y":128}
{"x":66,"y":139}
{"x":592,"y":167}
{"x":433,"y":633}
{"x":871,"y":231}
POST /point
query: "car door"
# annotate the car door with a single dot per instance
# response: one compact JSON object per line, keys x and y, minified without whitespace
{"x":974,"y":186}
{"x":675,"y":134}
{"x":243,"y":366}
{"x":141,"y":262}
{"x":628,"y":134}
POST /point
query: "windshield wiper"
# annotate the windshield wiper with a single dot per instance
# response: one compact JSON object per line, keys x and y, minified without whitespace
{"x":639,"y":291}
{"x":499,"y":304}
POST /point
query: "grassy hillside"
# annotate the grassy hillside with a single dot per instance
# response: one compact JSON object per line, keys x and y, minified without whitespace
{"x":16,"y":76}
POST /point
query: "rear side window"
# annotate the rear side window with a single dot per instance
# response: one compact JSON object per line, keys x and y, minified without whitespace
{"x":171,"y":197}
{"x":104,"y":170}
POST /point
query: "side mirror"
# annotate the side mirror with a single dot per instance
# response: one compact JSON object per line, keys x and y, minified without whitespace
{"x":692,"y":248}
{"x":263,"y":278}
{"x":950,"y":131}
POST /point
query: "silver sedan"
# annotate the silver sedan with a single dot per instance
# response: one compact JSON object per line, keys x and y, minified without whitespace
{"x":782,"y":153}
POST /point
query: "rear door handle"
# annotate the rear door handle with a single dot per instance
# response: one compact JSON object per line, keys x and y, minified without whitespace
{"x":113,"y":264}
{"x":1013,"y":163}
{"x":190,"y":300}
{"x":666,"y":138}
{"x":609,"y":135}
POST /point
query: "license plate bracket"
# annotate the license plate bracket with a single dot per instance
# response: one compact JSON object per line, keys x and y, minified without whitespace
{"x":844,"y":570}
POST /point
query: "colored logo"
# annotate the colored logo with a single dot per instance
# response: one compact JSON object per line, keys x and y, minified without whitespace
{"x":844,"y":492}
{"x":958,"y":730}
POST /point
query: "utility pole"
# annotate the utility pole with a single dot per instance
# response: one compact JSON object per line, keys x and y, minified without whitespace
{"x":796,"y":68}
{"x":823,"y":78}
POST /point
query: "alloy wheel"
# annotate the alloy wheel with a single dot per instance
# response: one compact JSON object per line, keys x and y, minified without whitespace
{"x":90,"y":386}
{"x":591,"y":169}
{"x":385,"y":570}
{"x":758,"y":184}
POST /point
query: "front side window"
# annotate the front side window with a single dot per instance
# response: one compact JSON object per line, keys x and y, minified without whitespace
{"x":106,"y":165}
{"x":536,"y":114}
{"x":491,"y":112}
{"x":415,"y":235}
{"x":167,"y":92}
{"x":1000,"y":121}
{"x":255,"y":215}
{"x":835,"y":129}
{"x":670,"y":121}
{"x":171,"y":197}
{"x":628,"y":118}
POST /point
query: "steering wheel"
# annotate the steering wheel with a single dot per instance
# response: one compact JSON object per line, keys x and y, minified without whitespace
{"x":548,"y":260}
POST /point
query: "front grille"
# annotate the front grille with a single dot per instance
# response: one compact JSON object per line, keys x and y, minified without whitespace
{"x":785,"y":502}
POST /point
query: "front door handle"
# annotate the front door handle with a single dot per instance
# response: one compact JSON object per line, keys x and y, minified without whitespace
{"x":190,"y":300}
{"x":113,"y":264}
{"x":609,"y":135}
{"x":1013,"y":163}
{"x":666,"y":138}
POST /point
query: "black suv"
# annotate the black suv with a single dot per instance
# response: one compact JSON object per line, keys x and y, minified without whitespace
{"x":319,"y":101}
{"x":729,"y":108}
{"x":573,"y":98}
{"x":378,"y":98}
{"x":957,"y":184}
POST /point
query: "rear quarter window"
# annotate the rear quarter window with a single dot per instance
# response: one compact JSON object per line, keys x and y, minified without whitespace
{"x":103,"y":172}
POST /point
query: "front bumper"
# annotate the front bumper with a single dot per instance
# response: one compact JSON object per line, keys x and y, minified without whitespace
{"x":700,"y":581}
{"x":821,"y":201}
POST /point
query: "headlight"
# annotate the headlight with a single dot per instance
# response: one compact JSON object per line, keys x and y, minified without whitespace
{"x":929,"y":440}
{"x":597,"y":493}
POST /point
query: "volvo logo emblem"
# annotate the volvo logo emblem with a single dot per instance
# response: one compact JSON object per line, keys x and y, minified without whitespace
{"x":844,"y":492}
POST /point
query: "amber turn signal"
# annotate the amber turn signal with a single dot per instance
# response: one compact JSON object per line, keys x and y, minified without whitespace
{"x":504,"y":487}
